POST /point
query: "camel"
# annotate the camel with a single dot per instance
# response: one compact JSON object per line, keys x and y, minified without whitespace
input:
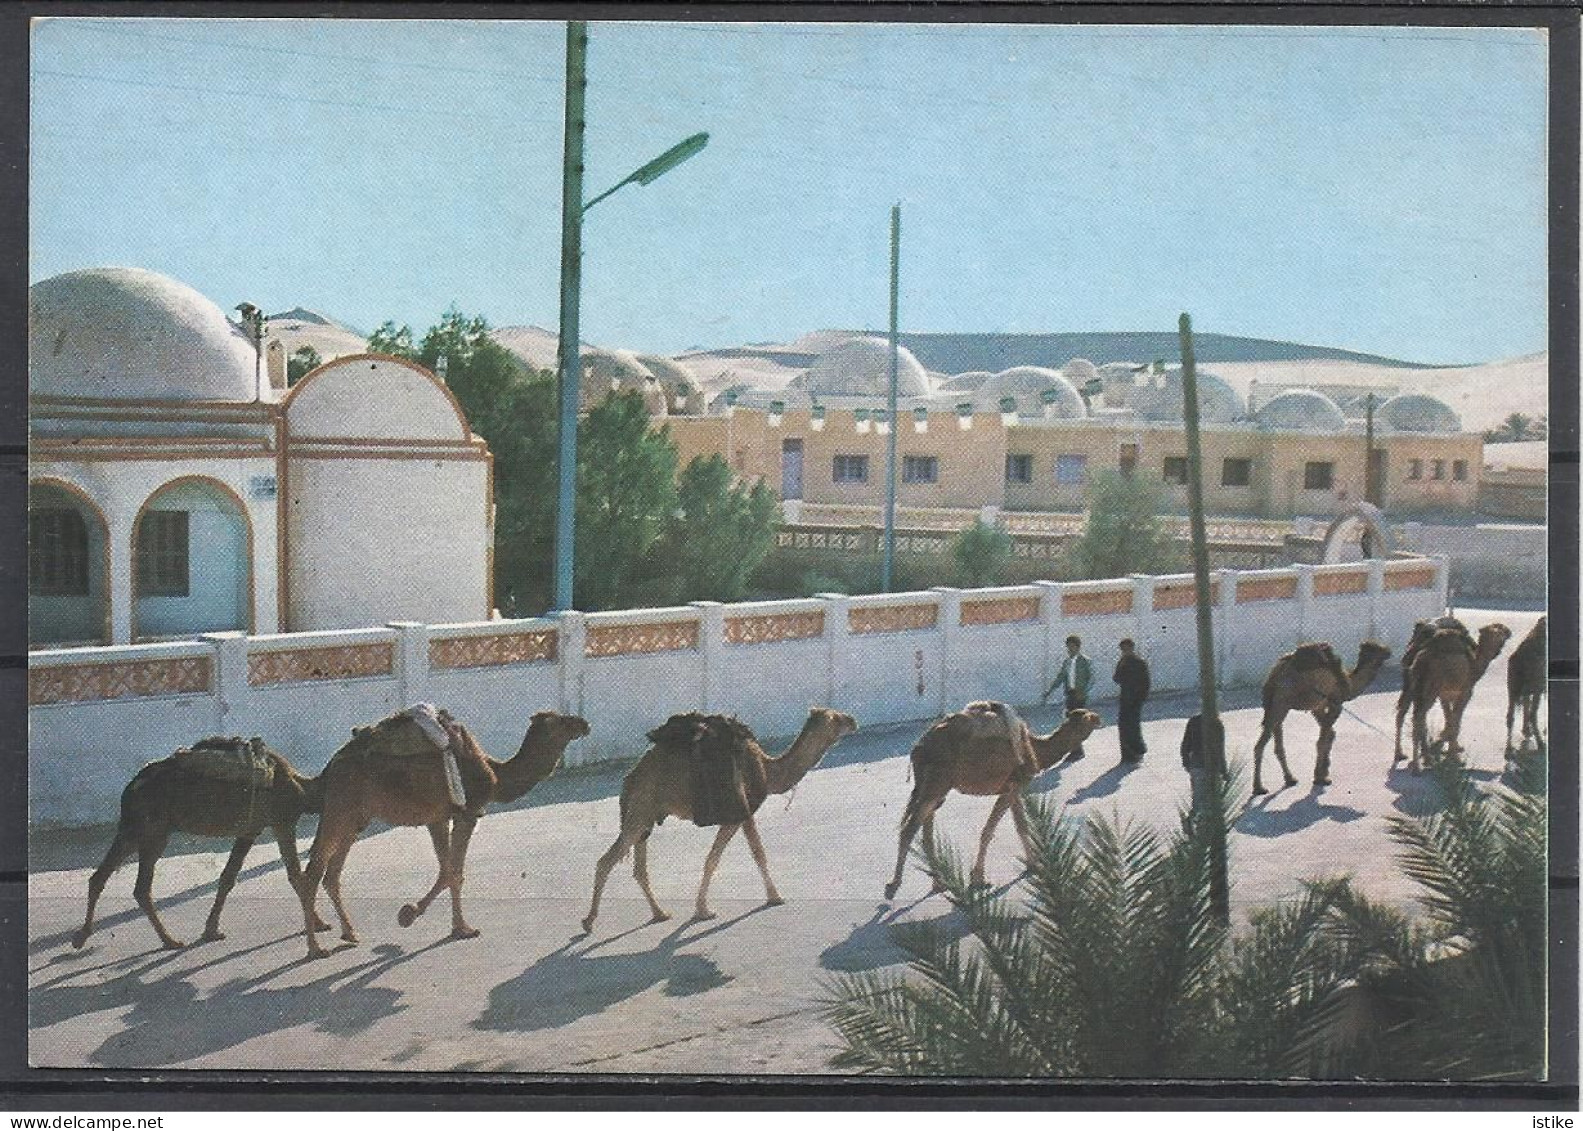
{"x":231,"y":787}
{"x":370,"y":778}
{"x":983,"y":750}
{"x":1422,"y":631}
{"x":1310,"y":678}
{"x":662,"y":785}
{"x":1445,"y":671}
{"x":1527,"y":672}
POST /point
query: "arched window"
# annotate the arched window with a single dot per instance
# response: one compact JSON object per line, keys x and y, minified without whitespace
{"x":192,"y":562}
{"x":57,"y":552}
{"x":66,"y":567}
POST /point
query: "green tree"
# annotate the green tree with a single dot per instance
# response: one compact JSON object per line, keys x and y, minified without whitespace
{"x":626,"y":496}
{"x":981,"y":552}
{"x":393,"y":340}
{"x":722,"y":532}
{"x":301,"y":363}
{"x":1124,"y":532}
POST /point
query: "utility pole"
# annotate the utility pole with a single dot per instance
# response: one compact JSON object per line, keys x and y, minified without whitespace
{"x":1369,"y":486}
{"x":1208,"y":778}
{"x":570,"y":369}
{"x":887,"y":573}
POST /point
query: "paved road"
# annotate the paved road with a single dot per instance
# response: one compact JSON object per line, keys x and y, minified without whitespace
{"x":739,"y":994}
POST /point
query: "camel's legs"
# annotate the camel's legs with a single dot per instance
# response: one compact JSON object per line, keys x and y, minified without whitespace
{"x":333,"y":841}
{"x":1327,"y":739}
{"x":1270,"y":728}
{"x":1420,"y":735}
{"x":332,"y":884}
{"x":1452,"y":734}
{"x":461,"y":834}
{"x":440,"y":835}
{"x":640,"y":870}
{"x":239,"y":851}
{"x":149,"y":848}
{"x":711,"y":862}
{"x":121,"y":847}
{"x":613,"y":856}
{"x":1511,"y":713}
{"x":286,"y":837}
{"x":1002,"y":803}
{"x":919,"y":809}
{"x":1019,"y":817}
{"x":750,"y":830}
{"x":1280,"y":751}
{"x":1404,"y":703}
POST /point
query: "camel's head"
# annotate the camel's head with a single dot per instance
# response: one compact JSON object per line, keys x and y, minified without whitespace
{"x":558,"y":727}
{"x":1372,"y":654}
{"x":1492,"y":638}
{"x":1080,"y":723}
{"x":836,"y":723}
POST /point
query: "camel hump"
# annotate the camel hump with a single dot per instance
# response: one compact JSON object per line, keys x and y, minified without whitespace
{"x":694,"y":727}
{"x":1445,"y":641}
{"x":232,"y":759}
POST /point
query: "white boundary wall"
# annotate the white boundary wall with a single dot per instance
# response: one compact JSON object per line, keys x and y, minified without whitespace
{"x":97,"y":714}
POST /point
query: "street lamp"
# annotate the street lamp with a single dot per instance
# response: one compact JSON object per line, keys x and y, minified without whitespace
{"x":570,"y":366}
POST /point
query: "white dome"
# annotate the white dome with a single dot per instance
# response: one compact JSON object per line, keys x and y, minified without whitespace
{"x":1218,"y":402}
{"x":129,"y":334}
{"x":965,"y":382}
{"x":1303,"y":410}
{"x":860,"y":367}
{"x":1418,"y":412}
{"x":1028,"y":384}
{"x":1080,"y":371}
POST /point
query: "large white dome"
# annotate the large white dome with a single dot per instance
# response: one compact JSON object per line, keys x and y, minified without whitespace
{"x":1419,"y":412}
{"x":860,"y":367}
{"x":129,"y":334}
{"x":1028,"y":385}
{"x":1301,"y":410}
{"x":1218,"y":402}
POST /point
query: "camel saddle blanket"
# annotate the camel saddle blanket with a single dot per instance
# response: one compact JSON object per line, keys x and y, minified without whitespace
{"x":417,"y":732}
{"x":727,"y":781}
{"x":994,"y":721}
{"x":246,"y":762}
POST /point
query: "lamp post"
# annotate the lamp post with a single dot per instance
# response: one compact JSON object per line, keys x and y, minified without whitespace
{"x":569,"y":369}
{"x":887,"y":573}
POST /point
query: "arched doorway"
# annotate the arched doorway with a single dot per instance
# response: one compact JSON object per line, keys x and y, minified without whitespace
{"x":1358,"y":534}
{"x":192,"y":562}
{"x":67,"y":567}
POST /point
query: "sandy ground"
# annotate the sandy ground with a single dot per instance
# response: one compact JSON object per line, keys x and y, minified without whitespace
{"x":740,"y":994}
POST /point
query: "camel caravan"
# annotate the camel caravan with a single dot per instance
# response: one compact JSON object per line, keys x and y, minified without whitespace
{"x":423,"y":767}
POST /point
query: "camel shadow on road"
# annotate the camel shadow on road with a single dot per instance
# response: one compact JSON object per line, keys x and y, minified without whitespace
{"x":569,"y":983}
{"x":873,"y":944}
{"x":1262,"y":821}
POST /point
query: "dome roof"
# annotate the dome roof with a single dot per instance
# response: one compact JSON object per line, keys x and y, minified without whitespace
{"x":860,"y":367}
{"x":1301,"y":409}
{"x":1218,"y":402}
{"x":965,"y":382}
{"x":1418,"y":412}
{"x":1028,"y":384}
{"x":126,"y":333}
{"x":1080,"y":371}
{"x":672,"y":374}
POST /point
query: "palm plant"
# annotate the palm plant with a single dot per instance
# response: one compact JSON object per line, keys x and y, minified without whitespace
{"x":1115,"y":967}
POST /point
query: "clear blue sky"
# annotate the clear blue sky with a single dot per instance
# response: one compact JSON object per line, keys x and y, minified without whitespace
{"x":1369,"y":188}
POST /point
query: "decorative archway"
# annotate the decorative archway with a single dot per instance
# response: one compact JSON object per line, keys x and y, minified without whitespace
{"x":192,"y":561}
{"x":68,"y":598}
{"x":1344,"y":540}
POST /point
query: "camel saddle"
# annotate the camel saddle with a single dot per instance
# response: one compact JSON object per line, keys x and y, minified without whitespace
{"x":421,"y":731}
{"x":231,"y":759}
{"x":993,"y":721}
{"x":727,"y":781}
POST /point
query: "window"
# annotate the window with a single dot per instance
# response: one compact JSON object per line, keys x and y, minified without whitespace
{"x":1318,"y":476}
{"x":1176,"y":470}
{"x":851,"y":469}
{"x":1128,"y":460}
{"x":1236,"y":473}
{"x":1019,"y":469}
{"x":1071,"y":469}
{"x":1415,"y":469}
{"x":162,"y":554}
{"x":920,"y":469}
{"x":1439,"y":470}
{"x":1459,"y":470}
{"x":57,"y":553}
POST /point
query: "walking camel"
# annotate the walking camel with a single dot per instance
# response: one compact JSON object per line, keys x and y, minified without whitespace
{"x":396,"y":772}
{"x":1310,"y":678}
{"x":1445,"y":670}
{"x":983,"y":750}
{"x":1526,"y":675}
{"x":232,"y":787}
{"x":1422,"y":631}
{"x":714,"y":763}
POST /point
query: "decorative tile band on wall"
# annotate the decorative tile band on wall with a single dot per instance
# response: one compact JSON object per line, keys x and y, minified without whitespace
{"x":892,"y":618}
{"x":1410,"y":579}
{"x":1340,"y":584}
{"x":631,"y":639}
{"x":1182,"y":596}
{"x":1266,"y":589}
{"x":349,"y":661}
{"x":81,"y":683}
{"x":1006,"y":610}
{"x":493,"y":650}
{"x":1097,"y":603}
{"x":774,"y":628}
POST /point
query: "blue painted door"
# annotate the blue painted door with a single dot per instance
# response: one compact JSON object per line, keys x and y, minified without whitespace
{"x":791,"y":469}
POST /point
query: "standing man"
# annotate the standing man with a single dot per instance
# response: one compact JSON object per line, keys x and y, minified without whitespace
{"x":1077,"y":672}
{"x":1132,"y":676}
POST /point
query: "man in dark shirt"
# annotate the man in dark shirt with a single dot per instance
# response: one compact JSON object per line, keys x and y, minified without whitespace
{"x":1132,"y":676}
{"x":1195,"y":748}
